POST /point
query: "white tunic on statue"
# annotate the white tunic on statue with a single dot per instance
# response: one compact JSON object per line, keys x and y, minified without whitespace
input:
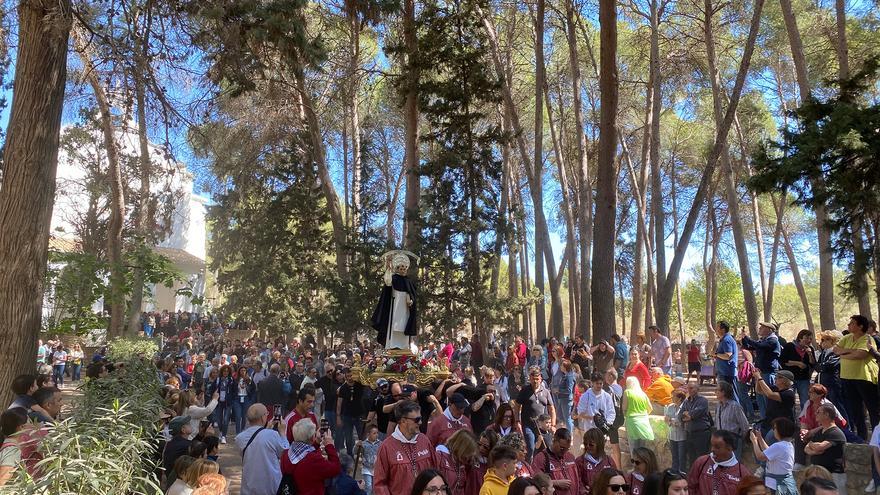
{"x":397,"y":322}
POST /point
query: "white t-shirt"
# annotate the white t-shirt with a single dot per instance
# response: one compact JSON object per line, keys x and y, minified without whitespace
{"x":780,"y":460}
{"x":875,"y":437}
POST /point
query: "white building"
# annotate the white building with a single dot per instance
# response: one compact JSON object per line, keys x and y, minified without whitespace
{"x":185,"y":246}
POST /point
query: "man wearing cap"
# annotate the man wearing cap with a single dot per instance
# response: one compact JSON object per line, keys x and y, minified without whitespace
{"x":767,"y":350}
{"x":780,"y":399}
{"x":532,"y":401}
{"x":379,"y":402}
{"x":178,"y":445}
{"x":452,"y":420}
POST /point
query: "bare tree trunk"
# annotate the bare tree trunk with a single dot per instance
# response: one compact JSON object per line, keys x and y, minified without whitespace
{"x":602,"y":290}
{"x":584,"y":182}
{"x":354,"y":27}
{"x":729,"y":178}
{"x":774,"y":255}
{"x":798,"y":281}
{"x":143,"y":223}
{"x":655,"y":88}
{"x":826,"y":268}
{"x":318,"y":154}
{"x":665,"y":294}
{"x":500,"y":231}
{"x":841,"y":46}
{"x":114,"y":174}
{"x":674,"y":191}
{"x":411,"y":130}
{"x":568,"y":213}
{"x":30,"y":160}
{"x":542,"y":237}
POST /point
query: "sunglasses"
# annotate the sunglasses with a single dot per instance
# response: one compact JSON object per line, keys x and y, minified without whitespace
{"x":619,"y":488}
{"x":416,"y":420}
{"x":636,"y":462}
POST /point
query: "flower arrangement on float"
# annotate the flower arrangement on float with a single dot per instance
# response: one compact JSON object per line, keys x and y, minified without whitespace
{"x":401,"y":366}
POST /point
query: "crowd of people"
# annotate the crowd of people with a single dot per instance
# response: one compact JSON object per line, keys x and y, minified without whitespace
{"x":511,"y":418}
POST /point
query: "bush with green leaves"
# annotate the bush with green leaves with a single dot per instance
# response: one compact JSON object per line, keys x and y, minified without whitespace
{"x":108,"y":444}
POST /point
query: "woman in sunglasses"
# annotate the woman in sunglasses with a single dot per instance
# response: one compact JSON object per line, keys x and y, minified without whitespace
{"x":669,"y":482}
{"x":644,"y":464}
{"x":505,"y":421}
{"x":610,"y":482}
{"x":594,"y":460}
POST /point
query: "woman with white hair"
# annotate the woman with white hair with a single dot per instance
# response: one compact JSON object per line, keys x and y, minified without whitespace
{"x":303,"y":460}
{"x":636,"y":408}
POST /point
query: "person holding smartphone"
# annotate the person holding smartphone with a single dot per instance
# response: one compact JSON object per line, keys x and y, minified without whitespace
{"x":304,"y":460}
{"x":261,"y":450}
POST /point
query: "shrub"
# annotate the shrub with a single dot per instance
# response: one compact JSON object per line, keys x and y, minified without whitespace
{"x":108,"y":445}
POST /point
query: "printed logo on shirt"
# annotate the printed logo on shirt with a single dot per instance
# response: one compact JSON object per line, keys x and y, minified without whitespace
{"x":399,"y":456}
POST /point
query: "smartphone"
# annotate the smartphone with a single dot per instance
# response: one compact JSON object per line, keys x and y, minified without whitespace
{"x":325,"y":426}
{"x":277,"y":408}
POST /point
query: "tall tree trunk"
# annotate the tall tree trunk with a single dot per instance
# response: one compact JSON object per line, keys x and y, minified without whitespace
{"x":798,"y":281}
{"x":144,"y":220}
{"x":568,"y":213}
{"x":539,"y":162}
{"x":411,"y":130}
{"x":501,"y":230}
{"x":354,"y":28}
{"x":841,"y":46}
{"x":584,"y":181}
{"x":674,"y":190}
{"x":30,"y":160}
{"x":318,"y":154}
{"x":602,"y":290}
{"x":655,"y":88}
{"x":729,"y":178}
{"x":826,"y":261}
{"x":114,"y":175}
{"x":665,"y":294}
{"x":542,"y":236}
{"x":774,"y":256}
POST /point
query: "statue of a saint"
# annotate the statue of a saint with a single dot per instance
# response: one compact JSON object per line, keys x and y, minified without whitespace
{"x":396,"y":316}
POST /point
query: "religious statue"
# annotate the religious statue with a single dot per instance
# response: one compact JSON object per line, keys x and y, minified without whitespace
{"x":396,"y":315}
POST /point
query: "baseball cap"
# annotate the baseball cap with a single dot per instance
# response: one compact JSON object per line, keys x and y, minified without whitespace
{"x":407,"y":389}
{"x":175,"y":426}
{"x":769,"y":325}
{"x":788,"y":375}
{"x":381,"y":382}
{"x":459,"y":401}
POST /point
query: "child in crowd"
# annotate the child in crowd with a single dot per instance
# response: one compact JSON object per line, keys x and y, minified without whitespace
{"x":369,"y":449}
{"x":212,"y":449}
{"x":546,"y":433}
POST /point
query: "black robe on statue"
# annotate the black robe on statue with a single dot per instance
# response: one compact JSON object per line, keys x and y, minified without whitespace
{"x":382,"y":314}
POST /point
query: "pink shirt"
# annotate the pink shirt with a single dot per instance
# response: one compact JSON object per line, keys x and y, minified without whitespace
{"x":398,"y":464}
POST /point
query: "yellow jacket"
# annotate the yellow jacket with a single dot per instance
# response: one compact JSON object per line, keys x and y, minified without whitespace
{"x":494,"y":485}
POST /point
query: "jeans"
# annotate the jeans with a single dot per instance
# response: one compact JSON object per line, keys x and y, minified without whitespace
{"x":221,"y":417}
{"x":349,"y":425}
{"x":742,"y":393}
{"x":529,"y":435}
{"x":368,"y":483}
{"x":770,"y":380}
{"x":802,"y":387}
{"x":239,"y":414}
{"x":697,"y":445}
{"x":678,"y":448}
{"x":75,"y":371}
{"x":861,"y":394}
{"x":563,"y":411}
{"x":58,"y":374}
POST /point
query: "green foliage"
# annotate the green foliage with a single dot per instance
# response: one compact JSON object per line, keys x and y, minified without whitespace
{"x":108,"y":444}
{"x":458,"y":97}
{"x":79,"y":280}
{"x":831,"y":158}
{"x":730,"y":306}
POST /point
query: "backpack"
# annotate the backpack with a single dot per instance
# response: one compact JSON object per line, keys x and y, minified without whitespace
{"x":744,"y":374}
{"x":287,"y":485}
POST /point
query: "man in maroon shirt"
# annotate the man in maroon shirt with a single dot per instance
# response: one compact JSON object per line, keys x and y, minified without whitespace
{"x":404,"y":454}
{"x":719,"y":472}
{"x":305,"y":400}
{"x":558,"y":463}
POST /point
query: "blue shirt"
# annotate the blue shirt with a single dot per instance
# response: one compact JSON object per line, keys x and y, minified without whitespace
{"x":722,"y":367}
{"x":621,"y":352}
{"x":767,"y":351}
